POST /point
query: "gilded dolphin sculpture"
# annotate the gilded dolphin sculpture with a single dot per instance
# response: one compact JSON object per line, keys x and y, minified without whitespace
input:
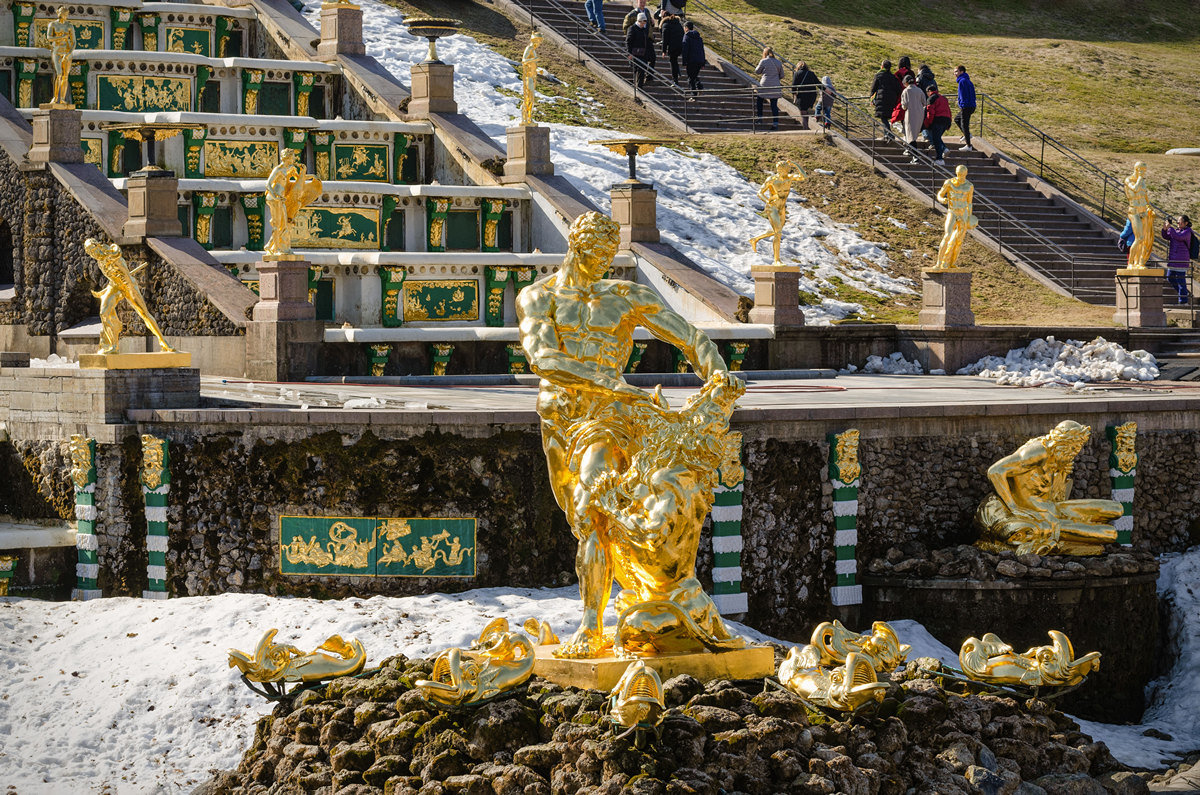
{"x":989,"y":659}
{"x":846,"y":687}
{"x":281,"y":662}
{"x":498,"y":660}
{"x":833,"y":643}
{"x":637,"y":698}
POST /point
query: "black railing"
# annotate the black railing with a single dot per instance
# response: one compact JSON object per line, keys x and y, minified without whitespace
{"x":744,"y":50}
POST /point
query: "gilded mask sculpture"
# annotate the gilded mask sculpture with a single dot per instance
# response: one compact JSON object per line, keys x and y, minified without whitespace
{"x":153,"y":461}
{"x":847,"y":456}
{"x":1032,"y":510}
{"x":989,"y":659}
{"x":82,"y":451}
{"x":1126,"y":444}
{"x":498,"y":660}
{"x":281,"y":662}
{"x":634,"y":476}
{"x":637,"y":699}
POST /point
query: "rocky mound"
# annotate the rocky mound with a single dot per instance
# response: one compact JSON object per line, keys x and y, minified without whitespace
{"x":913,"y":559}
{"x":375,"y":734}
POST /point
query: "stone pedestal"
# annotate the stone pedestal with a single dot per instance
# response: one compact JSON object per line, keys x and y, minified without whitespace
{"x":777,"y":296}
{"x":946,"y":299}
{"x":153,"y":204}
{"x":56,"y":134}
{"x":635,"y":208}
{"x":528,"y":153}
{"x":603,"y":673}
{"x":283,"y":291}
{"x":432,"y":89}
{"x":156,"y":360}
{"x":1140,"y":297}
{"x":341,"y":31}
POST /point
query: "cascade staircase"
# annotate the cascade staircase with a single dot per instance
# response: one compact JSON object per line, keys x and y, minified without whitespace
{"x":725,"y":104}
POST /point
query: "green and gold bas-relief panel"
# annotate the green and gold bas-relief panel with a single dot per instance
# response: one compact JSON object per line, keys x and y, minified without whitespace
{"x":143,"y":94}
{"x":193,"y":40}
{"x":93,"y":151}
{"x":366,"y":162}
{"x":377,"y":546}
{"x":89,"y":33}
{"x":441,"y":300}
{"x":240,"y":159}
{"x":320,"y":227}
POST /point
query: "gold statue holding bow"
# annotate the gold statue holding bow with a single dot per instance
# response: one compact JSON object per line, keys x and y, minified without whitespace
{"x":289,"y":188}
{"x":1141,"y":216}
{"x":634,"y":476}
{"x":60,"y":36}
{"x":774,"y":192}
{"x":1032,"y":510}
{"x":958,"y":195}
{"x":529,"y":67}
{"x":120,"y":287}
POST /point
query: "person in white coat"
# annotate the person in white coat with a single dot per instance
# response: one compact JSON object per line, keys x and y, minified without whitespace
{"x":912,"y":99}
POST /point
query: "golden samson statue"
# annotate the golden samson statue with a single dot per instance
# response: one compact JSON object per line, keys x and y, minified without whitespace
{"x":634,"y":476}
{"x":1032,"y":510}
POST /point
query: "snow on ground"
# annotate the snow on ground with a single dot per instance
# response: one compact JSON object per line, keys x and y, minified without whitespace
{"x":894,"y":364}
{"x":54,"y":360}
{"x":1050,"y":362}
{"x":705,"y":208}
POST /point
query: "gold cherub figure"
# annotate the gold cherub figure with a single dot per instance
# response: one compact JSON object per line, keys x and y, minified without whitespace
{"x":774,"y":192}
{"x":1032,"y":510}
{"x":957,"y":194}
{"x":121,"y":286}
{"x":289,"y":188}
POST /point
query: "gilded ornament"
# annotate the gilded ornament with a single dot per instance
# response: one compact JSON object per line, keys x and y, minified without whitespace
{"x":489,"y":232}
{"x":774,"y":193}
{"x":25,"y":94}
{"x":312,"y":228}
{"x":309,"y":552}
{"x":541,"y":632}
{"x":302,"y":103}
{"x":1126,"y":441}
{"x":634,"y":476}
{"x":322,"y":162}
{"x":144,"y":94}
{"x":289,"y":188}
{"x":529,"y":71}
{"x":1141,"y":216}
{"x":240,"y":159}
{"x":81,"y":451}
{"x":847,"y":687}
{"x":428,"y":300}
{"x":60,"y":37}
{"x":436,"y":230}
{"x":832,"y":643}
{"x":120,"y":287}
{"x":362,"y":163}
{"x":991,"y":660}
{"x":958,"y":195}
{"x":153,"y":461}
{"x":281,"y":662}
{"x":847,"y":456}
{"x":498,"y":661}
{"x":637,"y":700}
{"x":250,"y":102}
{"x":1032,"y":510}
{"x":203,"y":227}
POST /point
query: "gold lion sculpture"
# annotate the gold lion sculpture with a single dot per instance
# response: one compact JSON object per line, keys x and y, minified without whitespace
{"x":498,"y":660}
{"x":1032,"y":510}
{"x":989,"y":659}
{"x":281,"y":662}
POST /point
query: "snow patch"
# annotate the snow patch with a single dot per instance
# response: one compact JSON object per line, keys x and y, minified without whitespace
{"x":1048,"y":361}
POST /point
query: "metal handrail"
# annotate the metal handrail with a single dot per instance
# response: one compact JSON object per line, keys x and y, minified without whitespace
{"x":735,"y":33}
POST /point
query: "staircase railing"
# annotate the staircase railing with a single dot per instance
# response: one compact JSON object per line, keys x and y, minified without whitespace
{"x":853,"y":121}
{"x":744,"y":50}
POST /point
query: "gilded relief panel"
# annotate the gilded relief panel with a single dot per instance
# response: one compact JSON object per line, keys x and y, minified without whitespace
{"x":143,"y":94}
{"x":240,"y":159}
{"x":324,"y":227}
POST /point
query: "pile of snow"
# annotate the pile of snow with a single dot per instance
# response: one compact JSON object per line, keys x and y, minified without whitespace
{"x":705,"y":208}
{"x":1049,"y":361}
{"x":365,"y":403}
{"x":54,"y":360}
{"x":895,"y":364}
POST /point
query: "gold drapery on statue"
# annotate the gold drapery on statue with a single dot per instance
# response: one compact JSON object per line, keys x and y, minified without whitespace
{"x":1141,"y":216}
{"x":289,"y":189}
{"x":958,"y":194}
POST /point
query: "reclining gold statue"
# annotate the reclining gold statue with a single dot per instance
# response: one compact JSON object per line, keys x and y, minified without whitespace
{"x":990,"y":659}
{"x":634,"y":476}
{"x":1032,"y":510}
{"x":281,"y":662}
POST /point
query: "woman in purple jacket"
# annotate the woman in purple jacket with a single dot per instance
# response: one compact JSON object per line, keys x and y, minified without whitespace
{"x":1180,"y":239}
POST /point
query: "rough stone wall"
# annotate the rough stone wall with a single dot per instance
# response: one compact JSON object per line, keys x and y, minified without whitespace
{"x":34,"y":480}
{"x":120,"y":519}
{"x":178,"y":307}
{"x":1166,"y":499}
{"x":76,"y":273}
{"x":12,"y":201}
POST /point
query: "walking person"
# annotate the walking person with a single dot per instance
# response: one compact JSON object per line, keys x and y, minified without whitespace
{"x":966,"y":105}
{"x":640,"y":45}
{"x":1179,"y":238}
{"x":805,"y":89}
{"x":885,"y":93}
{"x":693,"y":56}
{"x":639,"y":8}
{"x":904,"y":69}
{"x":937,"y":121}
{"x":671,"y":31}
{"x":925,"y":78}
{"x":595,"y":14}
{"x":770,"y":86}
{"x":828,"y":93}
{"x":913,"y":101}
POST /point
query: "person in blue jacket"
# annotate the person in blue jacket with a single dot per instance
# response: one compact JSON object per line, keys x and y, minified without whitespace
{"x":693,"y":56}
{"x":966,"y":105}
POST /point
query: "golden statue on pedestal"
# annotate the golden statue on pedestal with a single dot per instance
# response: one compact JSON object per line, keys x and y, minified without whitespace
{"x":1141,"y":217}
{"x":529,"y":67}
{"x":1032,"y":510}
{"x":120,"y":287}
{"x":957,"y":194}
{"x":992,"y":660}
{"x":774,"y":192}
{"x":634,"y":477}
{"x":60,"y":36}
{"x":289,"y":188}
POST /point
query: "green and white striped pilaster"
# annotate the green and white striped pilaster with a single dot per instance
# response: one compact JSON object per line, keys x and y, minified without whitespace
{"x":156,"y":484}
{"x":1122,"y":468}
{"x":83,"y":475}
{"x":727,"y":537}
{"x":844,"y":473}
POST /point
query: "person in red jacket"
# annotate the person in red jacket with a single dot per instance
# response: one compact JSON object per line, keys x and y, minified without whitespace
{"x":937,"y":121}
